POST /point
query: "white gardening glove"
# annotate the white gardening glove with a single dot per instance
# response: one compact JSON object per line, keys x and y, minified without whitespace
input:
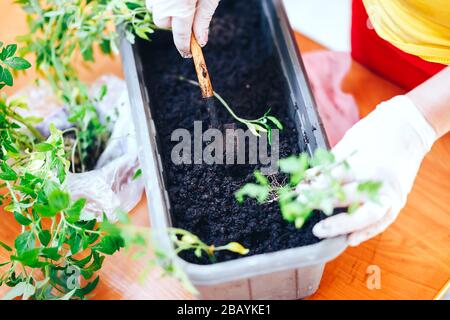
{"x":183,"y":16}
{"x":388,"y":146}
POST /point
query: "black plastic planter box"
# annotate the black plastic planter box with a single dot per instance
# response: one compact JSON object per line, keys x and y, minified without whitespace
{"x":286,"y":274}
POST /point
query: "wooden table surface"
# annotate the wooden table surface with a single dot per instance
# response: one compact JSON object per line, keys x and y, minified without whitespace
{"x":413,"y":254}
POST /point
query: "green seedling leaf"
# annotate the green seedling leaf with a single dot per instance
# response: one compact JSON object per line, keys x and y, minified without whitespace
{"x":260,"y":178}
{"x":73,"y":213}
{"x":44,"y":237}
{"x":24,"y":242}
{"x":7,"y":77}
{"x":296,"y":167}
{"x":254,"y":191}
{"x":43,"y":147}
{"x":110,"y":244}
{"x":58,"y":200}
{"x":50,"y":253}
{"x":88,"y":288}
{"x":45,"y":210}
{"x":75,"y":243}
{"x":137,"y":174}
{"x":29,"y":258}
{"x":9,"y":51}
{"x":21,"y":219}
{"x":276,"y":122}
{"x":17,"y":63}
{"x":7,"y":174}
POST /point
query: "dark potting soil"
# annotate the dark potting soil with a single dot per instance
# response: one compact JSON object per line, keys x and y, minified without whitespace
{"x":245,"y":70}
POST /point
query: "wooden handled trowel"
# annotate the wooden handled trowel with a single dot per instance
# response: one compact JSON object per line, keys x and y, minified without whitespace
{"x":204,"y":81}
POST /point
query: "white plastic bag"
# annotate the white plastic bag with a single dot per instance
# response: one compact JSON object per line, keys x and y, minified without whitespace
{"x":110,"y":186}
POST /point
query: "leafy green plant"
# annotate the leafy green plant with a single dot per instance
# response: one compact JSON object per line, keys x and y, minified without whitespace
{"x":54,"y":248}
{"x":264,"y":124}
{"x":57,"y":253}
{"x":60,"y":32}
{"x":140,"y":238}
{"x":296,"y":204}
{"x":10,"y":62}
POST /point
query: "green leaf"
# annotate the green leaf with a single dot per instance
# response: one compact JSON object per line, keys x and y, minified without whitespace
{"x":29,"y":258}
{"x":44,"y":210}
{"x":103,"y":92}
{"x":73,"y":213}
{"x":88,"y":288}
{"x":295,"y":166}
{"x":253,"y":191}
{"x":24,"y":242}
{"x":5,"y":246}
{"x":44,"y":237}
{"x":58,"y":200}
{"x":21,"y":219}
{"x":7,"y":174}
{"x":276,"y":122}
{"x":7,"y":77}
{"x":260,"y":178}
{"x":10,"y":50}
{"x":18,"y":63}
{"x":110,"y":244}
{"x":132,"y":5}
{"x":43,"y":147}
{"x":105,"y":46}
{"x":75,"y":243}
{"x":25,"y":190}
{"x":293,"y":210}
{"x":51,"y":253}
{"x":137,"y":174}
{"x":82,"y":262}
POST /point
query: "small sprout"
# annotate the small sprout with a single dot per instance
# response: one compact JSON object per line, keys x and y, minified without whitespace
{"x":297,"y":206}
{"x":184,"y":240}
{"x":256,"y":126}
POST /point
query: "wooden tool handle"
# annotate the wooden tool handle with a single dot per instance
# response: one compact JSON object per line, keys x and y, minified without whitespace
{"x":201,"y":69}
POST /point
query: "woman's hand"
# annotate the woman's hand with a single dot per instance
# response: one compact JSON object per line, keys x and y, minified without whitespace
{"x":184,"y":16}
{"x":387,"y":146}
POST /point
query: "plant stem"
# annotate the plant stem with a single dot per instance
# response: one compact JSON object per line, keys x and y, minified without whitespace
{"x":30,"y":128}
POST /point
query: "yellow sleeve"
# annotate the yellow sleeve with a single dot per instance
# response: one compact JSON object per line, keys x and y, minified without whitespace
{"x":418,"y":27}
